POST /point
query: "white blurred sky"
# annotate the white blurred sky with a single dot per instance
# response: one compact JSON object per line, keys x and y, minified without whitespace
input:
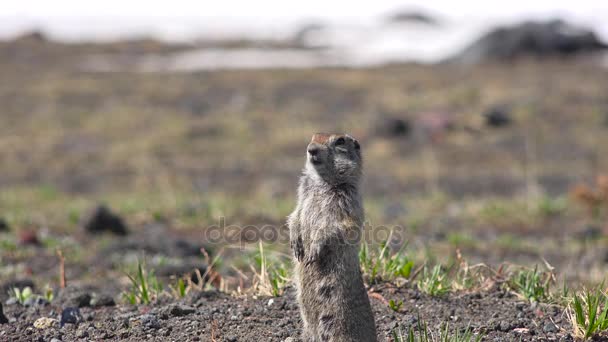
{"x":75,"y":19}
{"x":279,"y":8}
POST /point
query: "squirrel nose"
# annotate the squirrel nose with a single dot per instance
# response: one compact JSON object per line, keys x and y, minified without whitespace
{"x":313,"y":150}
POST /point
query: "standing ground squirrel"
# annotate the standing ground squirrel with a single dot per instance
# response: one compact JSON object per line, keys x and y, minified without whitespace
{"x":325,"y":234}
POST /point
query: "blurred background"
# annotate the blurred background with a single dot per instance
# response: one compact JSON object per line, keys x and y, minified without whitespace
{"x":484,"y":127}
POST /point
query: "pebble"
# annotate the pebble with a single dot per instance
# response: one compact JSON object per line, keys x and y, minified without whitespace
{"x":102,"y":300}
{"x":182,"y":310}
{"x":71,"y":315}
{"x":81,"y":333}
{"x":45,"y":323}
{"x":504,"y":326}
{"x":149,"y":321}
{"x":550,"y":328}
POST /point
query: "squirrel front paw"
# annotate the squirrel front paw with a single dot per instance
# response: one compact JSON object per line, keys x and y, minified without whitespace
{"x":315,"y":254}
{"x":298,"y":248}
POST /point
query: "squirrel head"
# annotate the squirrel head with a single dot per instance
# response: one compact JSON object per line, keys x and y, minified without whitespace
{"x":334,"y":158}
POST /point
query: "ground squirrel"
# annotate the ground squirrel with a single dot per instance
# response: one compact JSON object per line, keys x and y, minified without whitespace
{"x":325,"y":233}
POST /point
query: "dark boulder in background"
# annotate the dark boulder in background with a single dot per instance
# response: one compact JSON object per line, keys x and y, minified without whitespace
{"x":555,"y":38}
{"x":4,"y":227}
{"x":101,"y":219}
{"x":412,"y":16}
{"x":392,"y":127}
{"x":497,"y":116}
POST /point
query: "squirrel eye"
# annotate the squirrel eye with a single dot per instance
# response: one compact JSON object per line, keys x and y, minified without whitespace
{"x":357,"y":146}
{"x":340,"y":141}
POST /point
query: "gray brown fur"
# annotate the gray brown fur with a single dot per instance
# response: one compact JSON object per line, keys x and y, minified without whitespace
{"x":325,"y":230}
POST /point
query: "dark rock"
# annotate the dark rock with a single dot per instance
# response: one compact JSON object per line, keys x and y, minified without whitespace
{"x":70,"y":315}
{"x":391,"y":127}
{"x":409,"y":16}
{"x":100,"y":300}
{"x":554,"y":38}
{"x":101,"y":219}
{"x":504,"y":326}
{"x":149,"y":321}
{"x":4,"y":227}
{"x":497,"y":116}
{"x":3,"y":319}
{"x":181,"y":310}
{"x":74,"y":297}
{"x":550,"y":328}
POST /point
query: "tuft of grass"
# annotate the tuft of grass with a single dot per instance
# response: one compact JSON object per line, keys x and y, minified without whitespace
{"x":434,"y":282}
{"x":421,"y":333}
{"x":383,"y":265}
{"x":271,"y":277}
{"x":145,"y":287}
{"x":22,"y":295}
{"x":395,"y":306}
{"x":549,"y":206}
{"x":589,"y":314}
{"x":179,"y":289}
{"x":531,"y":284}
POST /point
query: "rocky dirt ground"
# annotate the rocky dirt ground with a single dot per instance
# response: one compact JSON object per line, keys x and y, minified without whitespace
{"x":215,"y":316}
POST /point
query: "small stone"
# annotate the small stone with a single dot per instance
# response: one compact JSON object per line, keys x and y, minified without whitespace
{"x":270,"y":301}
{"x":102,"y":300}
{"x":550,"y":327}
{"x":55,"y":340}
{"x":3,"y":319}
{"x":102,"y":219}
{"x":149,"y":321}
{"x":504,"y":326}
{"x":71,"y":315}
{"x":74,"y":297}
{"x":45,"y":323}
{"x":410,"y":320}
{"x":290,"y":339}
{"x":82,"y":333}
{"x":182,"y":310}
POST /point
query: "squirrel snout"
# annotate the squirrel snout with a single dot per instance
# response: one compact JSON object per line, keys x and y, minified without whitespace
{"x":313,"y":150}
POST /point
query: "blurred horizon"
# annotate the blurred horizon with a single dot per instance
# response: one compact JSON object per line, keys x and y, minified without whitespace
{"x":186,"y":19}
